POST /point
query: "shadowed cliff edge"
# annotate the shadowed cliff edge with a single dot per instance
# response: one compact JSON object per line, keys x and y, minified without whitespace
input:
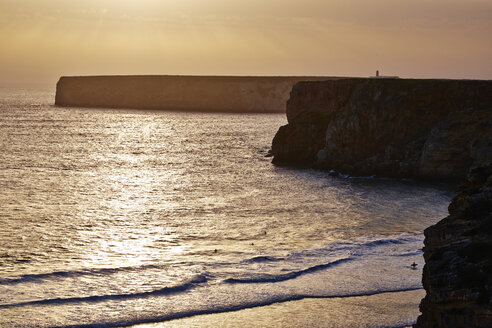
{"x":458,"y":254}
{"x":242,"y":94}
{"x":427,"y":129}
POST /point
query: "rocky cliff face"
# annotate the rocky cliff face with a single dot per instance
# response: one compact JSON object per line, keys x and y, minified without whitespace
{"x":458,"y":255}
{"x":433,"y":129}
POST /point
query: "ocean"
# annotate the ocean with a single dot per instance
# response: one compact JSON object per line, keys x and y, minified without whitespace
{"x":114,"y":218}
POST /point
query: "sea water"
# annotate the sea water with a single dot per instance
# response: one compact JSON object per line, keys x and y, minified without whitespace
{"x":112,"y":218}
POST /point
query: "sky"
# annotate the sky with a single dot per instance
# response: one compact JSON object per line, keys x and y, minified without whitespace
{"x":41,"y":40}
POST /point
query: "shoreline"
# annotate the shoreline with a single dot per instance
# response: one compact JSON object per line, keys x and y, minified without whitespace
{"x":390,"y":309}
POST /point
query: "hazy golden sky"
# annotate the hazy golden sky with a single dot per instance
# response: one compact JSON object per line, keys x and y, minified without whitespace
{"x":43,"y":39}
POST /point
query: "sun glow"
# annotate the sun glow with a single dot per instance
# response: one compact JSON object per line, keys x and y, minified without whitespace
{"x":133,"y":4}
{"x":42,"y":40}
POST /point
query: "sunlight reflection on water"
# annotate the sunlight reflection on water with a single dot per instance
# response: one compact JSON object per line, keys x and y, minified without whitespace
{"x":119,"y":216}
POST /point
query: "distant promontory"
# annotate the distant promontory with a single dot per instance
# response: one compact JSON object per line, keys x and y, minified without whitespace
{"x":242,"y":94}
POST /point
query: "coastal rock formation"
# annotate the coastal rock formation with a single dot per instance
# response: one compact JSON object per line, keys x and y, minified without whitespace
{"x":458,"y":254}
{"x":184,"y":93}
{"x":432,"y":129}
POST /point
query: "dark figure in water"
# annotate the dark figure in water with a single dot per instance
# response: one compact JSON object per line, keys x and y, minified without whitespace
{"x":414,"y":265}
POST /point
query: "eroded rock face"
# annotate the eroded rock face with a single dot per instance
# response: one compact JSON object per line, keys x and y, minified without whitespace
{"x":461,"y":140}
{"x":433,"y":129}
{"x":458,"y":254}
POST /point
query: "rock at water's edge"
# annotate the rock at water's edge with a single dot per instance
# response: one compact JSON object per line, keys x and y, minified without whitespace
{"x":458,"y":254}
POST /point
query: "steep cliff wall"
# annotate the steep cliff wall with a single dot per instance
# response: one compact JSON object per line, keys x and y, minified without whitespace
{"x":458,"y":255}
{"x":433,"y":129}
{"x":189,"y":93}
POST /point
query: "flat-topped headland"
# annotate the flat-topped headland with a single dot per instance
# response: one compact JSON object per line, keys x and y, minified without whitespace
{"x":242,"y":94}
{"x":426,"y":129}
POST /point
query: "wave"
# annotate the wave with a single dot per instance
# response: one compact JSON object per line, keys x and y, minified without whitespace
{"x":260,"y":259}
{"x":394,"y":241}
{"x":354,"y":251}
{"x":102,"y":298}
{"x":356,"y":248}
{"x":419,"y":252}
{"x":231,"y":308}
{"x":286,"y":276}
{"x":73,"y":273}
{"x":341,"y":246}
{"x":403,"y":239}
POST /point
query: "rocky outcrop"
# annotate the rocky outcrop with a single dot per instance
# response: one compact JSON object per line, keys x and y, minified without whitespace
{"x":431,"y":129}
{"x":458,"y":254}
{"x":267,"y":94}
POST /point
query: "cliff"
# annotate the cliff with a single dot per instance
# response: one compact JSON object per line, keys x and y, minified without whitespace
{"x":185,"y":93}
{"x":458,"y":254}
{"x":429,"y":129}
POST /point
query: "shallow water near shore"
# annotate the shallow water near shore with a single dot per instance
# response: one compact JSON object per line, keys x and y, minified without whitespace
{"x":114,"y":218}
